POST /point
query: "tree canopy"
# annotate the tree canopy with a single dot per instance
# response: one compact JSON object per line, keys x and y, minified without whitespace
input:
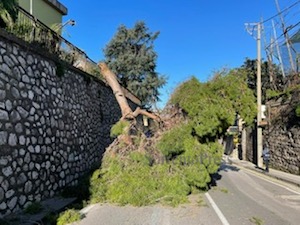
{"x":212,"y":106}
{"x":271,"y":77}
{"x":130,"y":54}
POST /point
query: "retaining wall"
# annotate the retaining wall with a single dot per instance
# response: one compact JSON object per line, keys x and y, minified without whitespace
{"x":55,"y":122}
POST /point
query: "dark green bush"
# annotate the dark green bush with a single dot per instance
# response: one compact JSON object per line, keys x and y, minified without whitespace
{"x":33,"y":208}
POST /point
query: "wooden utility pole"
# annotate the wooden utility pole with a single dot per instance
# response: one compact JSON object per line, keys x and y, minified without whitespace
{"x":258,"y":88}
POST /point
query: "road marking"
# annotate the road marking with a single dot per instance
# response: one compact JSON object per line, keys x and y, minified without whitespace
{"x":217,"y":210}
{"x":268,"y":179}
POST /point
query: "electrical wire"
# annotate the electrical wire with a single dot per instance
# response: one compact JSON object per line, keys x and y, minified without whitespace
{"x":282,"y":11}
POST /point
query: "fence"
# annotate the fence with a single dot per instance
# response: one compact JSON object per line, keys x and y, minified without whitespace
{"x":32,"y":30}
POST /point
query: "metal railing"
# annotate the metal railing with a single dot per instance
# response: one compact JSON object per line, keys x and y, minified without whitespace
{"x":32,"y":30}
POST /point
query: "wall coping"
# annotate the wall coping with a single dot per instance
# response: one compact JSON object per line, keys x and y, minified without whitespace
{"x":58,"y":6}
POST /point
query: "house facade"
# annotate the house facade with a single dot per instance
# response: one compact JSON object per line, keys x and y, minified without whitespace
{"x":50,"y":12}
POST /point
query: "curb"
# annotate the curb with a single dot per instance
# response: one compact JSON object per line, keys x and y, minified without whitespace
{"x":270,"y":174}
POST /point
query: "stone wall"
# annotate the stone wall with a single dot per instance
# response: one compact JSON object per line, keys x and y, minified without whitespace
{"x":55,"y":122}
{"x":283,"y":135}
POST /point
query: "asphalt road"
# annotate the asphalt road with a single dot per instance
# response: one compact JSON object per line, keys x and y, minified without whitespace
{"x":245,"y":197}
{"x":239,"y":197}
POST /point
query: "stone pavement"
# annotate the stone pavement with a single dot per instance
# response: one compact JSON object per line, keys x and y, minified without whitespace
{"x":280,"y":175}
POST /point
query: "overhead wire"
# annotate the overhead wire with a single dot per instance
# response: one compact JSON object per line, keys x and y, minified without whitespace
{"x":282,"y":11}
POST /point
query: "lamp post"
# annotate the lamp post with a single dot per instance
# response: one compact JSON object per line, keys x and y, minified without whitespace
{"x":70,"y":22}
{"x":59,"y":28}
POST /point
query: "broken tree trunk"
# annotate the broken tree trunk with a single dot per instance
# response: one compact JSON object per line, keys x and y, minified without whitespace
{"x":112,"y":81}
{"x":126,"y":111}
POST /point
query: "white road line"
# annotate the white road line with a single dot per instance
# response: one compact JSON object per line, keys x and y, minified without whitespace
{"x":217,"y":210}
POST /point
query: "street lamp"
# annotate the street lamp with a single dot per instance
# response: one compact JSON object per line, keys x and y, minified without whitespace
{"x":58,"y":27}
{"x":70,"y":22}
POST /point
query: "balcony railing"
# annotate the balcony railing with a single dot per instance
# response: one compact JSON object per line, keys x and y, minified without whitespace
{"x":32,"y":30}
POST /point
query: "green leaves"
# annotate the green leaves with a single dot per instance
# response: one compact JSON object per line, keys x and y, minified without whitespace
{"x":130,"y":54}
{"x":212,"y":106}
{"x":172,"y":143}
{"x":8,"y":12}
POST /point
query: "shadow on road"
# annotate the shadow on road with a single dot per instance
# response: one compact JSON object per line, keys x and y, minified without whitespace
{"x":217,"y":176}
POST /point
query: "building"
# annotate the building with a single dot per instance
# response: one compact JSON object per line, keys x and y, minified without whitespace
{"x":50,"y":12}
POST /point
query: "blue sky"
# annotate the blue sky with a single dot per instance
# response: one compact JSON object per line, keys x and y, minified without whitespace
{"x":197,"y":37}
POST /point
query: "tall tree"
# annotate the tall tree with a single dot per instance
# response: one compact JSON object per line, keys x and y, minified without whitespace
{"x":250,"y":67}
{"x":130,"y":54}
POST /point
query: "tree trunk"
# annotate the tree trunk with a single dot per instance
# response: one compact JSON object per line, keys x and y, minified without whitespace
{"x":127,"y":113}
{"x":112,"y":81}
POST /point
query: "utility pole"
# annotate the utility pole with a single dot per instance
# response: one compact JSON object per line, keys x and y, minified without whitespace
{"x":258,"y":89}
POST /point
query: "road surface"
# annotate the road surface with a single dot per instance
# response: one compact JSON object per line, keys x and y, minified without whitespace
{"x":238,"y":197}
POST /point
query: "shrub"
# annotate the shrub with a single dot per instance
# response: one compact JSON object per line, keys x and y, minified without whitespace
{"x":33,"y":208}
{"x":68,"y":216}
{"x":119,"y":128}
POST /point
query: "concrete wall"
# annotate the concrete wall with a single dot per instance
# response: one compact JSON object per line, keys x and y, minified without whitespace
{"x":54,"y":124}
{"x":45,"y":11}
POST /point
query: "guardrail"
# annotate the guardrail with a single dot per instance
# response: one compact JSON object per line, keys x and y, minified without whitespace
{"x":32,"y":30}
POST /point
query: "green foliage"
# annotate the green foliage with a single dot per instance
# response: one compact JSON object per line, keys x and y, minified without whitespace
{"x":138,"y":180}
{"x":130,"y":54}
{"x":255,"y":220}
{"x":267,"y":70}
{"x":297,"y":110}
{"x":273,"y":94}
{"x":33,"y":208}
{"x":8,"y":13}
{"x":172,"y":143}
{"x":119,"y":128}
{"x":285,"y":94}
{"x":140,"y":158}
{"x":68,"y":216}
{"x":126,"y":181}
{"x":213,"y":106}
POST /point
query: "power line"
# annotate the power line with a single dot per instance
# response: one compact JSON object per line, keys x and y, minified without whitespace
{"x":282,"y":11}
{"x":289,"y":28}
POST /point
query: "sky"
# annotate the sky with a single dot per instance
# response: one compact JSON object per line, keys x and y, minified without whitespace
{"x":197,"y":37}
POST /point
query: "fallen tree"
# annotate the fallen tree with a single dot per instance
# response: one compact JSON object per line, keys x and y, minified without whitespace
{"x":127,"y":113}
